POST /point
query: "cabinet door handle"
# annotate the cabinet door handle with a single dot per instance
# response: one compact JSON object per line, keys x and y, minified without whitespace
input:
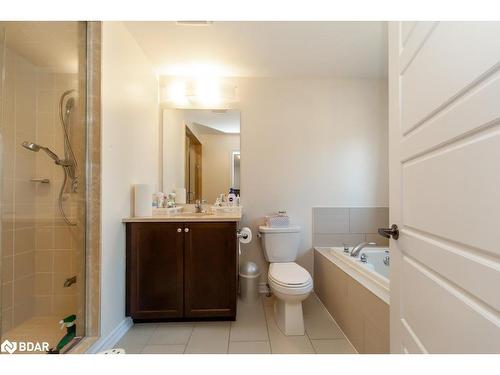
{"x":186,"y":230}
{"x":179,"y":230}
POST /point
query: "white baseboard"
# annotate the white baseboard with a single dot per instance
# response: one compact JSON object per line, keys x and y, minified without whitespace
{"x":108,"y":342}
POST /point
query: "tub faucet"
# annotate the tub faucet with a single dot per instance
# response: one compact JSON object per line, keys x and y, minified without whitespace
{"x":356,"y":249}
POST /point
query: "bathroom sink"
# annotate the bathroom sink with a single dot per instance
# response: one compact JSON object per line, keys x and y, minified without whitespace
{"x":167,"y":211}
{"x":195,"y":214}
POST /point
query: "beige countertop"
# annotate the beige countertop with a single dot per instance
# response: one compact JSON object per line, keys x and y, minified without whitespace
{"x":184,"y":217}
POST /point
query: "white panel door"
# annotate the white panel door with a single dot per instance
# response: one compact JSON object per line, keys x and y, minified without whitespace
{"x":444,"y":137}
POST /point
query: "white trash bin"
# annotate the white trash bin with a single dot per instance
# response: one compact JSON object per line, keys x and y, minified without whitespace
{"x":249,"y":282}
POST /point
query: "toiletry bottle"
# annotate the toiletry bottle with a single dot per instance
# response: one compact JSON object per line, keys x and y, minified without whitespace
{"x":231,"y":198}
{"x":160,"y":199}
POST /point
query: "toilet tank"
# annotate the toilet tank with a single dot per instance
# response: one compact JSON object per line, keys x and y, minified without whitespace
{"x":280,"y":244}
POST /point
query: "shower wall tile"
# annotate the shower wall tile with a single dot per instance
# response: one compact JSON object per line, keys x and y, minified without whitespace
{"x":7,"y":319}
{"x":24,"y":240}
{"x":45,"y":123}
{"x":18,"y":196}
{"x":62,"y":261}
{"x":7,"y":294}
{"x":325,"y":239}
{"x":47,"y":101}
{"x":23,"y":299}
{"x":24,"y":160}
{"x":64,"y":304}
{"x":46,"y":79}
{"x":368,"y":220}
{"x":331,"y":220}
{"x":43,"y":194}
{"x":24,"y":264}
{"x":62,"y":238}
{"x":335,"y":226}
{"x":43,"y":284}
{"x":44,"y":260}
{"x":7,"y":241}
{"x":7,"y":269}
{"x":8,"y":191}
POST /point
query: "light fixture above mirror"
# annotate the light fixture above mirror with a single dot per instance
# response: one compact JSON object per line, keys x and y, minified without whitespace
{"x":197,"y":93}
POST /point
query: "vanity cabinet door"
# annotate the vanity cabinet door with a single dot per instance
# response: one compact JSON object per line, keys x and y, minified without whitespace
{"x":155,"y":270}
{"x":210,"y":270}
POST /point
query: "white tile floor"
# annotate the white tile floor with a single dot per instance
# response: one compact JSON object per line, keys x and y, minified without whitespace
{"x":253,"y":332}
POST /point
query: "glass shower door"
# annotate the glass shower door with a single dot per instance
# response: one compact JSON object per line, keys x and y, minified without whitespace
{"x":43,"y":183}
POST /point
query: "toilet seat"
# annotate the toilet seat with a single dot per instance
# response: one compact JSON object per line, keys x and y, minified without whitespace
{"x":289,"y":274}
{"x":289,"y":278}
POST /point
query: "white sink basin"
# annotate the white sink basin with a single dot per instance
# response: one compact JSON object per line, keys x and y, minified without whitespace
{"x":167,"y":211}
{"x":196,"y":214}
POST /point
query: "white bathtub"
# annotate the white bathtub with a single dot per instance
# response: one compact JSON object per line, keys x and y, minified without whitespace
{"x":373,"y":275}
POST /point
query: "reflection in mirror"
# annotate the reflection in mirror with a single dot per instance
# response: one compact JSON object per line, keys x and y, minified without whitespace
{"x":235,"y":171}
{"x":201,"y":153}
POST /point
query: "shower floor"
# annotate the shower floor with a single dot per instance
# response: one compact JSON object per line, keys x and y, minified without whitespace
{"x":38,"y":329}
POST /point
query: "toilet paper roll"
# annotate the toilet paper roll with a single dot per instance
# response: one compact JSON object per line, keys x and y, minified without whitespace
{"x":143,"y":200}
{"x":245,"y":235}
{"x":180,"y":195}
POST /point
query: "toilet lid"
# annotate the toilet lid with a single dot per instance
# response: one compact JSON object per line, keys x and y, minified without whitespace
{"x":289,"y":274}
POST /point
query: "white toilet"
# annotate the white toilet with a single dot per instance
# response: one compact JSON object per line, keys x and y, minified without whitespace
{"x":289,"y":282}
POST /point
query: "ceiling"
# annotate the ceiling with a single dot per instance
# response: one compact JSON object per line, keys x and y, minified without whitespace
{"x":225,"y":121}
{"x":48,"y":45}
{"x":265,"y":49}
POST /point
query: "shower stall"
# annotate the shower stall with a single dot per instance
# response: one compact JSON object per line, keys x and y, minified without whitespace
{"x":43,"y":182}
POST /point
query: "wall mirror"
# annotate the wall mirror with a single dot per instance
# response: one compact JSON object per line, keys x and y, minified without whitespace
{"x":201,"y":153}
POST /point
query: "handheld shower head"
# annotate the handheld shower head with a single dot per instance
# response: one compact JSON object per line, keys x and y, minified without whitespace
{"x":35,"y":148}
{"x":31,"y":146}
{"x":70,"y":103}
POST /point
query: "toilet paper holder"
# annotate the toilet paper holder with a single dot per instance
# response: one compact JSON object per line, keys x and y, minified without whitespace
{"x":239,"y":234}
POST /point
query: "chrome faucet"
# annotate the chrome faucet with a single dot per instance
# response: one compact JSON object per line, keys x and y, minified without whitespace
{"x":356,"y":249}
{"x":198,"y":205}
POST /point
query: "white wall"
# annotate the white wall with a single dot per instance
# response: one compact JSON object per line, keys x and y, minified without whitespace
{"x":130,"y":154}
{"x":307,"y":143}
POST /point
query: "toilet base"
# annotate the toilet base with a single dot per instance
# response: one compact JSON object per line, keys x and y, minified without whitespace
{"x":289,"y":317}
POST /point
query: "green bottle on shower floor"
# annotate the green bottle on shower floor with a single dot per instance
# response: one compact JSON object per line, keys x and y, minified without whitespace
{"x":70,"y":324}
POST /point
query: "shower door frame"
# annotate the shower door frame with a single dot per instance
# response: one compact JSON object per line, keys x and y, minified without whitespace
{"x":93,"y":189}
{"x":2,"y":107}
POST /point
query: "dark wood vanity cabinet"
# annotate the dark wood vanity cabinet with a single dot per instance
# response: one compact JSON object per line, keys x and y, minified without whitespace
{"x":210,"y":270}
{"x":181,"y":270}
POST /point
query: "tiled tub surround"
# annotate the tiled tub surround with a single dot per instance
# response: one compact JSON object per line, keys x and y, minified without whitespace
{"x":363,"y":316}
{"x":335,"y":226}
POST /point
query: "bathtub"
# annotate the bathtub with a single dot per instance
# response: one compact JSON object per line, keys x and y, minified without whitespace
{"x":373,"y":275}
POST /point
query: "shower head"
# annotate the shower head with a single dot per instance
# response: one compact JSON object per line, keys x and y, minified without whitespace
{"x":35,"y":148}
{"x":31,"y":146}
